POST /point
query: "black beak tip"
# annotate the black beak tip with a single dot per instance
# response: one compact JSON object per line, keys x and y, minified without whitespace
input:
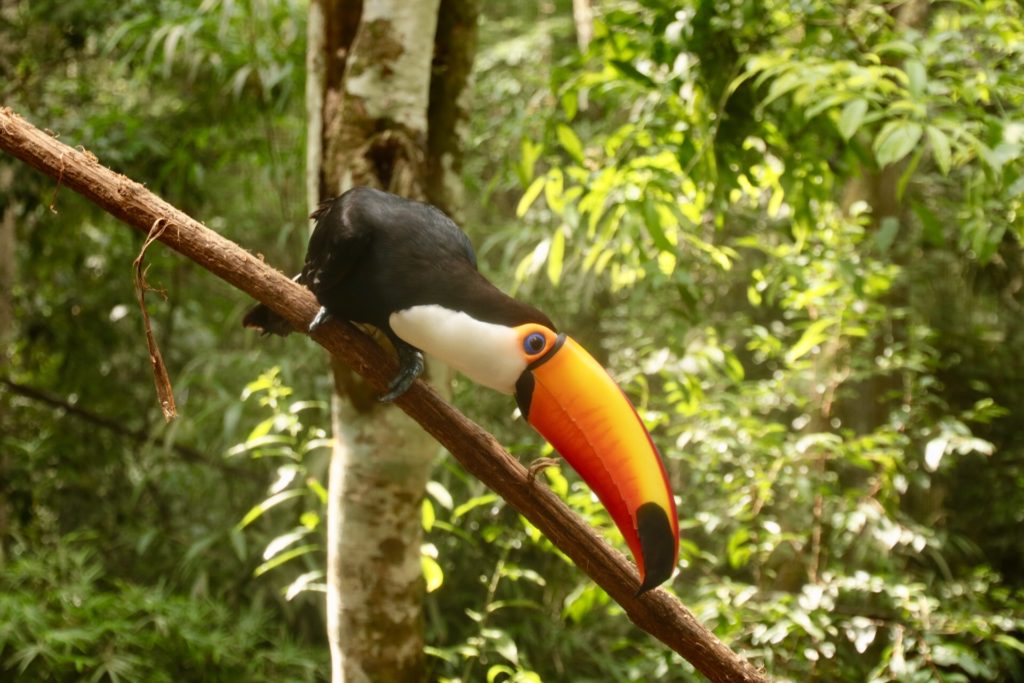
{"x":658,"y":545}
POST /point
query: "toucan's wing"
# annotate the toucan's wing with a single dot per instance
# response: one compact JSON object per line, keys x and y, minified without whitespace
{"x":336,"y":245}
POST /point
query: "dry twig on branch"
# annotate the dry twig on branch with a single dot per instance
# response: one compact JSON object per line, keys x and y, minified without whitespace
{"x":657,"y":612}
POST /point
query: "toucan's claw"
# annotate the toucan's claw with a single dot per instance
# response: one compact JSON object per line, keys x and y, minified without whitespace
{"x":538,"y":466}
{"x":410,"y":366}
{"x":322,"y":316}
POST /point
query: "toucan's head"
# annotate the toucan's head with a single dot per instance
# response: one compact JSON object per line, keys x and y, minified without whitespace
{"x":572,"y":401}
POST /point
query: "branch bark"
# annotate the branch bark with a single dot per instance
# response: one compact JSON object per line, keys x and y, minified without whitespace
{"x":657,"y":612}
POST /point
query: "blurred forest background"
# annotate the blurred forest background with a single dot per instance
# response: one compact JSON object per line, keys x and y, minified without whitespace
{"x":792,"y":230}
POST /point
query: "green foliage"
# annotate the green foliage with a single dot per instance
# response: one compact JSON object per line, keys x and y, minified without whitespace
{"x":299,"y":484}
{"x":154,"y":516}
{"x":791,"y":231}
{"x":775,"y":219}
{"x":65,"y":619}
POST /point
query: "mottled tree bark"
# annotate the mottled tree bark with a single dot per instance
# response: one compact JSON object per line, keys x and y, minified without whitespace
{"x":368,"y":100}
{"x":454,"y":50}
{"x":583,"y":18}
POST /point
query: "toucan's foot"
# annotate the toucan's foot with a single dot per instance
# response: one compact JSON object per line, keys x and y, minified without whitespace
{"x":410,"y":366}
{"x":322,"y":316}
{"x":538,"y":466}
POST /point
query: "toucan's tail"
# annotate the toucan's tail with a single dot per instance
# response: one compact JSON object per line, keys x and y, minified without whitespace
{"x":265,"y":320}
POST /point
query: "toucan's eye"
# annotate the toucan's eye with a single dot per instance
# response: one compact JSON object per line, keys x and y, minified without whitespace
{"x":534,"y":343}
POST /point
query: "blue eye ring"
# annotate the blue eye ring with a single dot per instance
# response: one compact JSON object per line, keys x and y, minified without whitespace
{"x":534,"y":343}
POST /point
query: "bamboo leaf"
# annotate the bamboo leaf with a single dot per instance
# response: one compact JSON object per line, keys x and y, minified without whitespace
{"x":257,"y":510}
{"x":432,"y":573}
{"x":284,"y":557}
{"x":812,"y":336}
{"x":570,"y":142}
{"x":530,"y":196}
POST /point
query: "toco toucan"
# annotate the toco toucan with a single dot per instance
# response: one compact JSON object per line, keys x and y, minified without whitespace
{"x":407,"y":269}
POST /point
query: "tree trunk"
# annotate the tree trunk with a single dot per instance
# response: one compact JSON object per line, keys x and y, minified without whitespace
{"x":368,"y":95}
{"x":583,"y":18}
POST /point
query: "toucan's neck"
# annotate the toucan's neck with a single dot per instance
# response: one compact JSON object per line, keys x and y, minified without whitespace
{"x":485,"y":352}
{"x":481,"y":300}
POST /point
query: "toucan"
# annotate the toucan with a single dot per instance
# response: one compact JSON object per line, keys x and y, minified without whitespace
{"x":406,"y":268}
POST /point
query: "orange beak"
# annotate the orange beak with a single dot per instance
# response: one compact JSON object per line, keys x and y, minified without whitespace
{"x":572,"y":401}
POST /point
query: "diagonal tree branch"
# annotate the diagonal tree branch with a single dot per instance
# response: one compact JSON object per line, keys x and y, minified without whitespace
{"x":657,"y":612}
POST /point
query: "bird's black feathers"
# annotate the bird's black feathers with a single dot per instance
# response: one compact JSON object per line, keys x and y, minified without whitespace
{"x":373,"y":253}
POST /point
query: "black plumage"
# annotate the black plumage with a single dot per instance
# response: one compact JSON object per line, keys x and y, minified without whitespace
{"x":373,"y":253}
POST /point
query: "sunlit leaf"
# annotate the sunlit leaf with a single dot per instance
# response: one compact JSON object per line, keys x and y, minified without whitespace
{"x":940,"y":148}
{"x":530,"y":196}
{"x":553,"y":190}
{"x":283,"y":541}
{"x":814,"y":335}
{"x":570,"y":142}
{"x":427,"y":515}
{"x":432,"y":573}
{"x":529,"y":152}
{"x":261,"y":429}
{"x":474,"y":503}
{"x":257,"y":510}
{"x":652,"y":221}
{"x":917,"y":77}
{"x":896,"y":140}
{"x":439,"y":493}
{"x":284,"y":557}
{"x":304,"y":582}
{"x":316,"y":487}
{"x":852,"y":116}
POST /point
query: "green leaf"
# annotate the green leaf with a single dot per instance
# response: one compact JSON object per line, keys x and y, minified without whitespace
{"x":281,"y":542}
{"x":285,"y":557}
{"x":304,"y":582}
{"x":528,"y":154}
{"x":555,"y":256}
{"x":316,"y":487}
{"x":553,"y":190}
{"x":570,"y":142}
{"x":896,"y":140}
{"x":1010,"y":642}
{"x":570,"y":104}
{"x":852,"y":117}
{"x":439,"y":493}
{"x":812,"y":336}
{"x":432,"y":573}
{"x":939,"y":142}
{"x":472,"y":503}
{"x":886,"y":234}
{"x":262,"y":383}
{"x":917,"y":77}
{"x":262,"y":429}
{"x":631,"y":72}
{"x":257,"y":510}
{"x":738,"y":548}
{"x":530,"y":196}
{"x":653,"y":224}
{"x":782,"y":85}
{"x":427,"y":515}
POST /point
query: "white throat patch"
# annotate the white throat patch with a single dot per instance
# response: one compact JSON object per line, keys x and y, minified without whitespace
{"x":488,"y":354}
